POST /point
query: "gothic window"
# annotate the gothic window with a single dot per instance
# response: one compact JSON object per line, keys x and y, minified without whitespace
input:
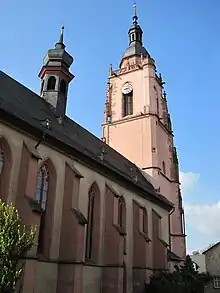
{"x":2,"y":160}
{"x":157,"y":105}
{"x":63,"y":87}
{"x":128,"y":104}
{"x":143,"y":221}
{"x":120,"y":213}
{"x":51,"y":83}
{"x":42,"y":186}
{"x":164,"y":167}
{"x":45,"y":195}
{"x":157,"y":102}
{"x":89,"y":239}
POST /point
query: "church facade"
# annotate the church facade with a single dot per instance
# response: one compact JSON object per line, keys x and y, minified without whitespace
{"x":103,"y":223}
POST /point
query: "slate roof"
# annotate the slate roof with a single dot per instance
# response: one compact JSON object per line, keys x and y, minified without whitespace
{"x":30,"y":109}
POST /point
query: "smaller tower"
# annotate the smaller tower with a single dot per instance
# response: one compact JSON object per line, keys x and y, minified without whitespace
{"x":55,"y":77}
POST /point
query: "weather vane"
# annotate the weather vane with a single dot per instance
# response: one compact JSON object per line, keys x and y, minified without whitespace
{"x":135,"y":8}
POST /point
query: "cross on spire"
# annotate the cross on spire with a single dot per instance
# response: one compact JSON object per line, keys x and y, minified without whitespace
{"x":135,"y":17}
{"x":60,"y":44}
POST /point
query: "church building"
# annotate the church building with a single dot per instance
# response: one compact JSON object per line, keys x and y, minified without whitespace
{"x":109,"y":211}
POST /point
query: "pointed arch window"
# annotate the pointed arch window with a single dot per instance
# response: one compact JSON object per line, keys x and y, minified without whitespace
{"x":120,"y":212}
{"x":157,"y":100}
{"x":51,"y":83}
{"x":63,"y":87}
{"x":128,"y":104}
{"x":143,"y":221}
{"x":93,"y":224}
{"x":42,"y":188}
{"x":45,"y":195}
{"x":2,"y":160}
{"x":89,"y":238}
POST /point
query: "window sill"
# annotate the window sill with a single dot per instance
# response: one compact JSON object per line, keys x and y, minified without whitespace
{"x":120,"y":230}
{"x":128,"y":116}
{"x":80,"y":217}
{"x":144,"y":235}
{"x":34,"y":205}
{"x":164,"y":242}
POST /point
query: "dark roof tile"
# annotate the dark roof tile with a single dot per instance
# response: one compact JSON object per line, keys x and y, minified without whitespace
{"x":27,"y":106}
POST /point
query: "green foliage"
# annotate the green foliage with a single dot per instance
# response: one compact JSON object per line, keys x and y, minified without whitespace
{"x":15,"y":241}
{"x":185,"y":279}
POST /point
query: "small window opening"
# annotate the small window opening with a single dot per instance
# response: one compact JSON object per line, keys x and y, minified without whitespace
{"x":51,"y":83}
{"x":63,"y":87}
{"x":120,"y":213}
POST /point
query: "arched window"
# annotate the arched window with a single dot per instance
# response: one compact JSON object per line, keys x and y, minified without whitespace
{"x":42,"y":188}
{"x":128,"y":104}
{"x":157,"y":100}
{"x":90,"y":224}
{"x":163,"y":167}
{"x":120,"y":212}
{"x":143,"y":221}
{"x":63,"y":87}
{"x":45,"y":196}
{"x":2,"y":160}
{"x":51,"y":83}
{"x":93,"y":224}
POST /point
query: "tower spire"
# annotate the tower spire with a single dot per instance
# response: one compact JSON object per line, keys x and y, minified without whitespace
{"x":60,"y":44}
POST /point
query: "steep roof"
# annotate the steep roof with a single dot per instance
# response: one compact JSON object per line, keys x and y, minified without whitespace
{"x":29,"y":111}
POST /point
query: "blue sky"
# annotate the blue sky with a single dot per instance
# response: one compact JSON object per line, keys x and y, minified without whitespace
{"x":183,"y":38}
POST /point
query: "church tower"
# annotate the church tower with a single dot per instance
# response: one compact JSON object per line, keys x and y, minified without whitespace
{"x":137,"y":124}
{"x":55,"y":77}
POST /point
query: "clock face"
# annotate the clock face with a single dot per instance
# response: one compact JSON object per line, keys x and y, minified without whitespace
{"x":127,"y":88}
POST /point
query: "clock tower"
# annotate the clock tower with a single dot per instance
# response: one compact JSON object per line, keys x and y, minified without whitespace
{"x":137,"y":124}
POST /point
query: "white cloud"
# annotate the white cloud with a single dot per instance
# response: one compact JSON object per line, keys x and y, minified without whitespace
{"x":205,"y":218}
{"x":202,"y":220}
{"x":188,"y":181}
